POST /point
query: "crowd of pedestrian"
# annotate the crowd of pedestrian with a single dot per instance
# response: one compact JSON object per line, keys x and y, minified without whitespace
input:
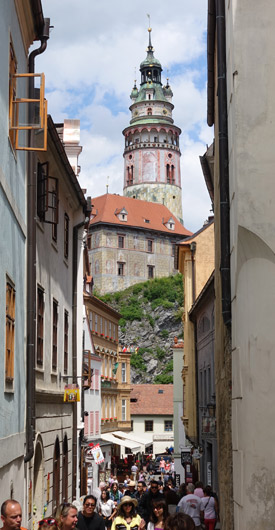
{"x":156,"y":505}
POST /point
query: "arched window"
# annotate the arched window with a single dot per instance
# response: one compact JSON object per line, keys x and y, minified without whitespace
{"x":149,"y":111}
{"x":56,"y":474}
{"x":65,"y":469}
{"x":168,"y":173}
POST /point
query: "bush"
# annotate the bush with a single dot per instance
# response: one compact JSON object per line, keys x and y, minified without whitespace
{"x":137,"y":362}
{"x":164,"y":333}
{"x":131,"y":312}
{"x":160,"y":353}
{"x":163,"y":379}
{"x":138,"y":288}
{"x":122,"y":322}
{"x":151,"y":320}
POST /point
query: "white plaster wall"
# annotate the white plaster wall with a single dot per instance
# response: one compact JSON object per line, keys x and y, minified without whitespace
{"x":159,"y":446}
{"x":251,"y":83}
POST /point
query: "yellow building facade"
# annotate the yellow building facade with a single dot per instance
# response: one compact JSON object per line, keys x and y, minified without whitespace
{"x":196,"y":263}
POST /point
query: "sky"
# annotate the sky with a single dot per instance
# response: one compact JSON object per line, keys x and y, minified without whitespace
{"x":92,"y":59}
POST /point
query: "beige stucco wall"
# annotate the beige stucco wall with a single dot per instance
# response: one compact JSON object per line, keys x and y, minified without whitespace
{"x":202,"y":269}
{"x":251,"y":82}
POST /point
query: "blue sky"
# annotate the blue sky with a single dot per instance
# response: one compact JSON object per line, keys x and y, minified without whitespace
{"x":89,"y":67}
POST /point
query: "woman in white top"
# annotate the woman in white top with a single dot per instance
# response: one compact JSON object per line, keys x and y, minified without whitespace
{"x":106,"y":508}
{"x":211,"y":508}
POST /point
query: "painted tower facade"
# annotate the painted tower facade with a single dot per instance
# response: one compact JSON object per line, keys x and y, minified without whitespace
{"x":152,"y":153}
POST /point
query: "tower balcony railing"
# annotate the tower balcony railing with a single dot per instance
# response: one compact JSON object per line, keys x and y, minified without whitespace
{"x":139,"y":145}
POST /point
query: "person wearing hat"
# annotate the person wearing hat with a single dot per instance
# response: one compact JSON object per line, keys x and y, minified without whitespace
{"x":131,"y":489}
{"x":127,"y":517}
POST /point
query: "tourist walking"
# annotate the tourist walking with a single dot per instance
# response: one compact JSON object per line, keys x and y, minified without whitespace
{"x":159,"y":516}
{"x":127,"y":517}
{"x":192,"y":505}
{"x":106,"y":508}
{"x":11,"y":515}
{"x":115,"y":494}
{"x":210,"y":509}
{"x":146,"y":502}
{"x":66,"y":516}
{"x":88,"y":519}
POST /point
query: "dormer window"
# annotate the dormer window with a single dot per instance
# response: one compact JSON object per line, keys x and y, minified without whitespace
{"x":170,"y":224}
{"x":122,"y":214}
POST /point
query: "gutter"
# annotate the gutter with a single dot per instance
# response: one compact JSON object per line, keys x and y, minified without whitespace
{"x":31,"y":260}
{"x":224,"y":164}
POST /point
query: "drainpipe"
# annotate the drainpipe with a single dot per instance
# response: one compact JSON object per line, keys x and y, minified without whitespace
{"x":224,"y":164}
{"x":31,"y":261}
{"x":74,"y":344}
{"x":193,"y":247}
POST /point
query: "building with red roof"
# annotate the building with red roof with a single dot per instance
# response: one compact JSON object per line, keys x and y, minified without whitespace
{"x":131,"y":241}
{"x":152,"y":415}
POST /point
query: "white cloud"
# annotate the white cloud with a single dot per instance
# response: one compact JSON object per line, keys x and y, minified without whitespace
{"x":89,"y":66}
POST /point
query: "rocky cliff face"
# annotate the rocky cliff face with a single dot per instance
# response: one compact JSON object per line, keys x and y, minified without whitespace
{"x":151,"y":319}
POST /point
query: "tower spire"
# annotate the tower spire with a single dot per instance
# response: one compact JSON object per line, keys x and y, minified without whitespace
{"x":150,"y":47}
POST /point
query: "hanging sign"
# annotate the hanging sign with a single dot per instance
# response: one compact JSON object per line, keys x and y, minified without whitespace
{"x":71,"y":393}
{"x":97,"y":454}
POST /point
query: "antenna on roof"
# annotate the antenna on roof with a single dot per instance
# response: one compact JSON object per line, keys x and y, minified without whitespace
{"x":107,"y":185}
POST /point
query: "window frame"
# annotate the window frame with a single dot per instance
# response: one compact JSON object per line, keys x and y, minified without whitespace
{"x":150,"y":245}
{"x":54,"y":334}
{"x":121,"y":241}
{"x":121,"y":267}
{"x":123,"y":372}
{"x":123,"y":410}
{"x":66,"y":341}
{"x":66,"y":235}
{"x":40,"y":326}
{"x":148,"y":425}
{"x":151,"y":270}
{"x":166,"y":422}
{"x":10,"y":331}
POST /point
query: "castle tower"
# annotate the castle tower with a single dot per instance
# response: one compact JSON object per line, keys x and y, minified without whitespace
{"x":152,"y":153}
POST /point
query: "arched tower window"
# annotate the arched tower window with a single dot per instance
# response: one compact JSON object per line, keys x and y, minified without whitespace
{"x":168,"y":173}
{"x":149,"y":110}
{"x":173,"y":174}
{"x":56,"y":474}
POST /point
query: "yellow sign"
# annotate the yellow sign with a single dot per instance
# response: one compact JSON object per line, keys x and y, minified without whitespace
{"x":71,"y":393}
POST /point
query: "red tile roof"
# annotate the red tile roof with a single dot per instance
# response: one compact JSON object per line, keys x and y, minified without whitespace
{"x":107,"y":206}
{"x":152,"y":400}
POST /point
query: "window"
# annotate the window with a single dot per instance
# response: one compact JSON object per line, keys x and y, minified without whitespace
{"x":65,"y":473}
{"x":66,"y":236}
{"x":123,"y":372}
{"x":150,"y":271}
{"x":56,"y":475}
{"x":92,"y":422}
{"x":10,"y":327}
{"x":12,"y":90}
{"x":120,"y":268}
{"x":110,"y":329}
{"x":40,"y":326}
{"x":106,"y":328}
{"x":121,"y":240}
{"x":96,"y":422}
{"x":148,"y":425}
{"x":96,"y":322}
{"x":47,"y":197}
{"x":123,"y":410}
{"x":101,"y":325}
{"x":168,"y":425}
{"x":149,"y":245}
{"x":114,"y":331}
{"x":149,"y":111}
{"x":66,"y":340}
{"x":54,"y":332}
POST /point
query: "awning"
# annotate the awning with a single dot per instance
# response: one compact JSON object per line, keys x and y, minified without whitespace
{"x":135,"y":438}
{"x":110,"y":437}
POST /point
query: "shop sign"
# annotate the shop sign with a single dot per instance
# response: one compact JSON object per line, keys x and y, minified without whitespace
{"x":71,"y":393}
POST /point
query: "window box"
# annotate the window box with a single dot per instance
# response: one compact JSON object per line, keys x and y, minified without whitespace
{"x":102,"y":419}
{"x":111,"y":419}
{"x":102,"y":334}
{"x":115,"y":418}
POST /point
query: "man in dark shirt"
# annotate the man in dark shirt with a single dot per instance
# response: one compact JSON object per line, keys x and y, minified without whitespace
{"x":88,"y":519}
{"x":145,"y":508}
